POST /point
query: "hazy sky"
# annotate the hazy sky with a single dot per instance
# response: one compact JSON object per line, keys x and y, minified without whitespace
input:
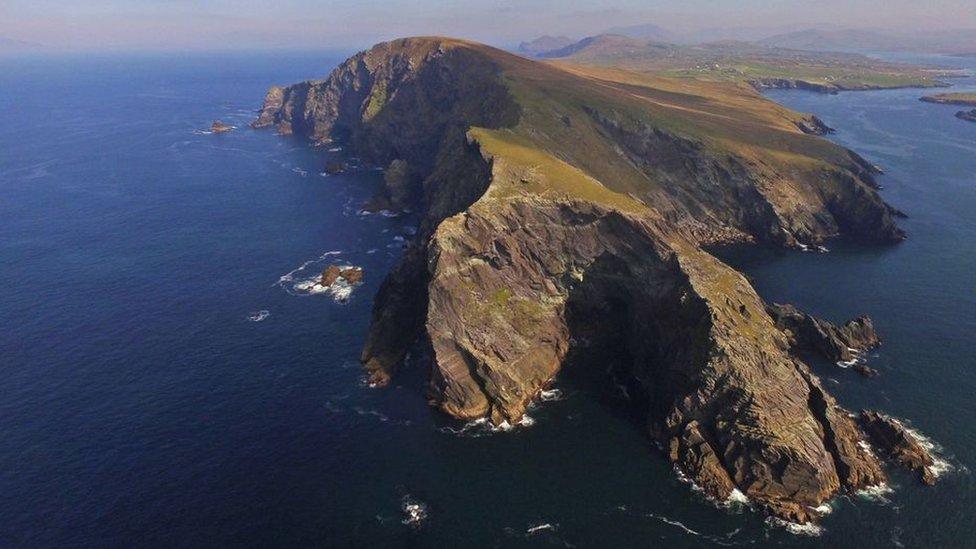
{"x":196,"y":24}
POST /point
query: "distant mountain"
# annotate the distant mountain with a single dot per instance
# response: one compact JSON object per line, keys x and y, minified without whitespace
{"x":645,"y":31}
{"x":543,"y":44}
{"x":943,"y":41}
{"x":11,"y":45}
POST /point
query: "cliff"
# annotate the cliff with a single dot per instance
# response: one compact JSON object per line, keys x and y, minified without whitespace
{"x":558,"y":201}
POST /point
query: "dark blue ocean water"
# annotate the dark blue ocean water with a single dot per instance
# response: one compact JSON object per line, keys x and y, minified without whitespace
{"x":140,"y":406}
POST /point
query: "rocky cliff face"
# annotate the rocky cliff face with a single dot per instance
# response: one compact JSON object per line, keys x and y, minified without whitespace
{"x":557,"y":205}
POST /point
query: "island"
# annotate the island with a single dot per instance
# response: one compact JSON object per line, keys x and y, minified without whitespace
{"x":967,"y":99}
{"x":564,"y":205}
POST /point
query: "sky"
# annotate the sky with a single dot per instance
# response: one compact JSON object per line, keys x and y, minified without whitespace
{"x":82,"y":25}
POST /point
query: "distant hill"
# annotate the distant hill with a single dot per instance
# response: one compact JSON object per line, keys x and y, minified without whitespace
{"x":543,"y":44}
{"x":645,"y":31}
{"x":943,"y":41}
{"x":759,"y":64}
{"x":594,"y":48}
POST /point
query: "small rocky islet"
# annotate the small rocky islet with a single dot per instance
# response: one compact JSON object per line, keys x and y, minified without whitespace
{"x":545,"y":216}
{"x":220,"y":127}
{"x":969,"y":116}
{"x":332,"y":273}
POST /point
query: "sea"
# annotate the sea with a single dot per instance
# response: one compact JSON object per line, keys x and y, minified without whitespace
{"x":172,"y":376}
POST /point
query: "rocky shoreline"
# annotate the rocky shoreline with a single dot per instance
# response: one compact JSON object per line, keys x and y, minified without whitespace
{"x":969,"y":116}
{"x":964,"y":99}
{"x":546,"y":215}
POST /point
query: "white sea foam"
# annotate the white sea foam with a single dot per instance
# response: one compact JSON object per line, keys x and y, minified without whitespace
{"x":824,"y":509}
{"x":737,"y":498}
{"x":289,"y":276}
{"x":675,"y":523}
{"x":258,"y":316}
{"x":550,"y":395}
{"x":806,"y":529}
{"x":307,"y":280}
{"x":539,"y":528}
{"x":414,"y":510}
{"x":939,"y":464}
{"x":335,"y":149}
{"x":482,"y":427}
{"x":878,"y":492}
{"x":300,"y":171}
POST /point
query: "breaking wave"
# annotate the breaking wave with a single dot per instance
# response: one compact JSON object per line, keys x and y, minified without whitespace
{"x":878,"y":492}
{"x":415,"y":511}
{"x":483,"y":427}
{"x":807,"y":529}
{"x":306,"y":279}
{"x":258,"y":316}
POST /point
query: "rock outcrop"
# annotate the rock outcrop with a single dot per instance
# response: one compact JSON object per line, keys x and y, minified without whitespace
{"x":332,"y":273}
{"x":556,"y":202}
{"x":220,"y":127}
{"x":835,"y":343}
{"x":899,"y":444}
{"x":813,"y":125}
{"x":969,"y":116}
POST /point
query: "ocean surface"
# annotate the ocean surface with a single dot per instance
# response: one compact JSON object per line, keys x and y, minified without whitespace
{"x":168,"y":379}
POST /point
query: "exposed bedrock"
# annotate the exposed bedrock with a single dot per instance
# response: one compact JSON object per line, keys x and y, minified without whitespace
{"x":727,"y":197}
{"x":727,"y":399}
{"x":899,"y":444}
{"x":835,"y":343}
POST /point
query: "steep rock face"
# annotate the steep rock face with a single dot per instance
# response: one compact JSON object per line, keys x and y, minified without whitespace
{"x":551,"y":207}
{"x":730,"y":403}
{"x":899,"y":444}
{"x":728,"y":197}
{"x":835,"y":343}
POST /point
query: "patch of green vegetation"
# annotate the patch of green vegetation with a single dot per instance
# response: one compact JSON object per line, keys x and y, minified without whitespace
{"x":377,"y":100}
{"x":501,"y":297}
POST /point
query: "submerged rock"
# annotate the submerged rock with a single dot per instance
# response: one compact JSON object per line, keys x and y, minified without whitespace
{"x":969,"y":116}
{"x":899,"y":444}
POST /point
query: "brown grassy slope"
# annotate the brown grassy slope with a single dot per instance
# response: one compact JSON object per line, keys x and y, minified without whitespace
{"x":709,"y":141}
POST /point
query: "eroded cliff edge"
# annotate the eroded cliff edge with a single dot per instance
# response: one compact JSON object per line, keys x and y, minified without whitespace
{"x":557,"y":201}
